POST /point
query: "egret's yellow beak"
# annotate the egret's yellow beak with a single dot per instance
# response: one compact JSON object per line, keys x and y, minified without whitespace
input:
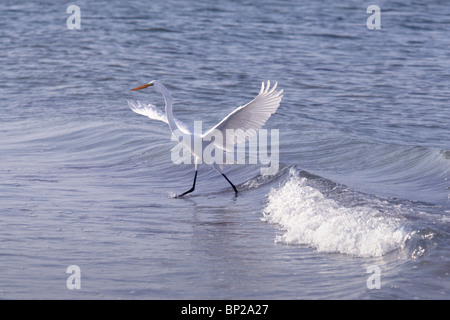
{"x":143,"y":87}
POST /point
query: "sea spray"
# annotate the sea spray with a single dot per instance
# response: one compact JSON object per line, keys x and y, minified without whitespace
{"x":307,"y":217}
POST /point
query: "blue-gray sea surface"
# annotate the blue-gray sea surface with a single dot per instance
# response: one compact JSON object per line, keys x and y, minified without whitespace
{"x":364,"y":150}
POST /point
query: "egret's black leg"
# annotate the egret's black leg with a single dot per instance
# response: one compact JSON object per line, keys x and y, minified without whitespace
{"x":234,"y":188}
{"x":191,"y":189}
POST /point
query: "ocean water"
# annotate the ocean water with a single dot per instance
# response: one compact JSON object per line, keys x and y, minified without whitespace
{"x":364,"y":150}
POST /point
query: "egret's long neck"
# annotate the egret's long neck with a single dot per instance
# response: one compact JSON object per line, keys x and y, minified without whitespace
{"x":168,"y":99}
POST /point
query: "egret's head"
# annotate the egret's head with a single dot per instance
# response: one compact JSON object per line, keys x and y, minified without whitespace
{"x":151,"y":83}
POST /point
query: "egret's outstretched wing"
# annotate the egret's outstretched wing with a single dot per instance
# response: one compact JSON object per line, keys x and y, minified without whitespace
{"x":246,"y":120}
{"x":154,"y":113}
{"x":147,"y":110}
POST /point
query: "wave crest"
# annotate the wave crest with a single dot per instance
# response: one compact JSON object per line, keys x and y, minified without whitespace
{"x":307,"y":217}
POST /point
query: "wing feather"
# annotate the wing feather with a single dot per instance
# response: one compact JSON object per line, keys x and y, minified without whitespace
{"x":249,"y":118}
{"x":154,"y":113}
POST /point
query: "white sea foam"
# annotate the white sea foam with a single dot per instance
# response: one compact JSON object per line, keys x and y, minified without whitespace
{"x":309,"y":218}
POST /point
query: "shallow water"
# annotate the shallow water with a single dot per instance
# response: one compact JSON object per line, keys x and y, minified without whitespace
{"x":364,"y":151}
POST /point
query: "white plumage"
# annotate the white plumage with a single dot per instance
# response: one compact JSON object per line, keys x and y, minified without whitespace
{"x":236,"y":127}
{"x":246,"y":120}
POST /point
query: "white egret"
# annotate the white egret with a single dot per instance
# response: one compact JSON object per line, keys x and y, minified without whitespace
{"x":249,"y":118}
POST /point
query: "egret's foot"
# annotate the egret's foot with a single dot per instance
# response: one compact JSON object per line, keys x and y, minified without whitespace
{"x":234,"y":188}
{"x":184,"y":193}
{"x":191,"y":189}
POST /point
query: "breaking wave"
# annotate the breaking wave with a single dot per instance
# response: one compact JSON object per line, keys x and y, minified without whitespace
{"x":306,"y":216}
